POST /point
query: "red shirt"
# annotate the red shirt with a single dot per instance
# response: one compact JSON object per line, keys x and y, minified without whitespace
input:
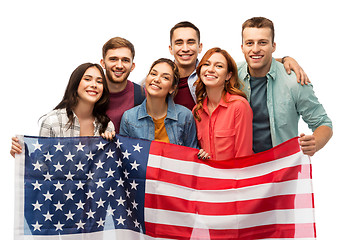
{"x":183,"y":96}
{"x":119,"y":103}
{"x":227,"y":133}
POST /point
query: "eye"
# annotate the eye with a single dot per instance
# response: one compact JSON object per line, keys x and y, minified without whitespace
{"x":99,"y":81}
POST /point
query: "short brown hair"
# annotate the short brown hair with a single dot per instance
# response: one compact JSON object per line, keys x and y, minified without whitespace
{"x":118,"y":42}
{"x":259,"y":22}
{"x":184,"y":24}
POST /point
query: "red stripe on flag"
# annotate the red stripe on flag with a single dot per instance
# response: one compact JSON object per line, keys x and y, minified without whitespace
{"x":285,"y":149}
{"x":229,"y":208}
{"x":305,"y":230}
{"x":204,"y":183}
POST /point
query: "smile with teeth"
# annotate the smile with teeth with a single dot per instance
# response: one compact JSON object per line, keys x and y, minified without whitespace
{"x":117,"y":73}
{"x":154,"y":86}
{"x":92,"y":93}
{"x":256,"y":57}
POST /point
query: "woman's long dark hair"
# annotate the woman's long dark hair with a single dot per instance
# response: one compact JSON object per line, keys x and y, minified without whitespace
{"x":70,"y":98}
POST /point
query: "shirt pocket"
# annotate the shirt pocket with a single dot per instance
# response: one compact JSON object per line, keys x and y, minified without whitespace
{"x":224,"y":143}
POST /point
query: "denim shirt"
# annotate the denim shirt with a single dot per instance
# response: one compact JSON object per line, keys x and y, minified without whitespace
{"x":179,"y":123}
{"x":191,"y":80}
{"x":286,"y":101}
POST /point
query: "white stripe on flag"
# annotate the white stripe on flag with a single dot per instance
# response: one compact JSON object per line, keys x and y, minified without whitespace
{"x":292,"y":216}
{"x":203,"y":170}
{"x":301,"y":186}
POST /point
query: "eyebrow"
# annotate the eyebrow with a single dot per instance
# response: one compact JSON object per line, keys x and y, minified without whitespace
{"x":87,"y":75}
{"x":154,"y":70}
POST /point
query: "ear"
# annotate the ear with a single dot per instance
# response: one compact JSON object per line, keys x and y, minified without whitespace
{"x":102,"y":62}
{"x":132,"y":67}
{"x":274,"y":47}
{"x":172,"y":89}
{"x":171,"y":50}
{"x":229,"y":75}
{"x":200,"y":48}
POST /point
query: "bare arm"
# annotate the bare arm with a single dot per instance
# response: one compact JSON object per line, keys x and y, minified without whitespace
{"x":310,"y":144}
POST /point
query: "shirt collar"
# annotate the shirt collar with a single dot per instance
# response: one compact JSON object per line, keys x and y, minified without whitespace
{"x":171,"y":112}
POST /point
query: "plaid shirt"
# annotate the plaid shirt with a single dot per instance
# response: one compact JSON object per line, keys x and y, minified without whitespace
{"x":55,"y":124}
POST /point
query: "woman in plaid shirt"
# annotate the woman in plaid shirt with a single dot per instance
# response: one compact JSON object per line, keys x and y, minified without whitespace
{"x":82,"y":111}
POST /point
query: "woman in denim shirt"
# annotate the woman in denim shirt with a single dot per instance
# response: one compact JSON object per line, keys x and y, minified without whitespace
{"x":158,"y":117}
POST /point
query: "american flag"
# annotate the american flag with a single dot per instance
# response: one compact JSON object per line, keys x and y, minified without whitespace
{"x":89,"y":188}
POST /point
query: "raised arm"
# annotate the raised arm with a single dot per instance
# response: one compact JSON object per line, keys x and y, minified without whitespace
{"x":291,"y":64}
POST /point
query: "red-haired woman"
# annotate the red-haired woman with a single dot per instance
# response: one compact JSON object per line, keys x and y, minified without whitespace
{"x":223,"y":115}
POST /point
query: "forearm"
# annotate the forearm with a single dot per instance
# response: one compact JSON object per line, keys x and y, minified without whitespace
{"x":322,"y":135}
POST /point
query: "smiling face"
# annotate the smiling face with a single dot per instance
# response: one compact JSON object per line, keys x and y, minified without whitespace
{"x":118,"y":64}
{"x":214,"y":72}
{"x":159,"y":81}
{"x":258,"y":47}
{"x":185,"y":48}
{"x":91,"y":86}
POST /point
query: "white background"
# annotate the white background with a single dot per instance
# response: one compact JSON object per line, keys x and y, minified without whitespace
{"x":42,"y":42}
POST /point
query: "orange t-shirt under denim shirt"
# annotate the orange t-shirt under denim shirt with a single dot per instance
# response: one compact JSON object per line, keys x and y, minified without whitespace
{"x":160,"y":130}
{"x":227,"y":133}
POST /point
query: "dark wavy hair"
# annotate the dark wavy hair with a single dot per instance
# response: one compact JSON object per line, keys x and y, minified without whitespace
{"x":175,"y":69}
{"x":231,"y":86}
{"x":70,"y":98}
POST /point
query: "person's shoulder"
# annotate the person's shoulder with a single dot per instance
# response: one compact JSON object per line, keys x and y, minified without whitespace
{"x":239,"y":101}
{"x":54,"y":115}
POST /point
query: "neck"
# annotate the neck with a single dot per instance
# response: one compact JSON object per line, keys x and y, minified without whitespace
{"x":115,"y":87}
{"x":84,"y":110}
{"x":260,"y":72}
{"x":214,"y":95}
{"x":186,"y":71}
{"x":156,"y":107}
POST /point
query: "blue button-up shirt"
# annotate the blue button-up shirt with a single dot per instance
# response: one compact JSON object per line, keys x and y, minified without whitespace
{"x":179,"y":123}
{"x":286,"y":101}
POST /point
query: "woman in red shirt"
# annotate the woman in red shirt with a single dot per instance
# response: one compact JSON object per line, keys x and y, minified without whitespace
{"x":223,"y":115}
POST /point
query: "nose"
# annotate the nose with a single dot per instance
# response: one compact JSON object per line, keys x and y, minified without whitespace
{"x":119,"y":64}
{"x":94,"y":84}
{"x":210,"y":68}
{"x":255,"y":48}
{"x":185,"y":47}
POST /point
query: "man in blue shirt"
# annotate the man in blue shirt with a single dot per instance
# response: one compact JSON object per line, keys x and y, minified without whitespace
{"x":276,"y":98}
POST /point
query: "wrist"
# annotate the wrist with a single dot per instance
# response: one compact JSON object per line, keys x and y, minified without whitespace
{"x":283,"y":59}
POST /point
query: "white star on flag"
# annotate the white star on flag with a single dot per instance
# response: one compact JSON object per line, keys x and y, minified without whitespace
{"x":36,"y":205}
{"x":134,"y":165}
{"x":37,"y":146}
{"x":48,"y":216}
{"x":137,"y":147}
{"x":69,"y":156}
{"x":126,"y":154}
{"x":37,"y":165}
{"x":58,"y":167}
{"x":36,"y":185}
{"x":79,"y":147}
{"x":70,"y":215}
{"x":110,"y":153}
{"x":48,"y":157}
{"x":48,"y":196}
{"x":118,"y":143}
{"x":90,"y":155}
{"x":120,"y":201}
{"x":80,"y":224}
{"x":120,"y":220}
{"x":59,"y":147}
{"x":36,"y":226}
{"x":100,"y":145}
{"x":59,"y":226}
